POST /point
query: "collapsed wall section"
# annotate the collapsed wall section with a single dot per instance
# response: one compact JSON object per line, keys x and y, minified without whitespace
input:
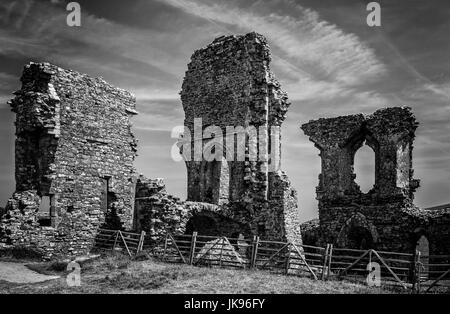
{"x":74,"y":161}
{"x":159,"y":213}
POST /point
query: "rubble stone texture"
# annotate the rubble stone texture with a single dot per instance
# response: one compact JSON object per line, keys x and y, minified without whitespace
{"x":158,"y":212}
{"x":229,"y":84}
{"x":385,"y":217}
{"x":74,"y":161}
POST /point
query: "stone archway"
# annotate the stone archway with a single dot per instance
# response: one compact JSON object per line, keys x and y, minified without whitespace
{"x":358,"y":233}
{"x":212,"y":223}
{"x":203,"y":224}
{"x":422,"y":245}
{"x":359,"y":237}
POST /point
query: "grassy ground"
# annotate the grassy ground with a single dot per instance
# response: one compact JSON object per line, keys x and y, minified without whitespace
{"x":118,"y":274}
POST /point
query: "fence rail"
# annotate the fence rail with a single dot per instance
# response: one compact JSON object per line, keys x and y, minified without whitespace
{"x":402,"y":270}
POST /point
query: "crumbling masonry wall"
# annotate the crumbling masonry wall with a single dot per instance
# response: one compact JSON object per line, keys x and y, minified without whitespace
{"x":229,"y":84}
{"x":385,"y":217}
{"x":74,"y":161}
{"x":158,"y":212}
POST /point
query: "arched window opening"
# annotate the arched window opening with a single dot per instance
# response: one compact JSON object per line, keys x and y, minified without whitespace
{"x":364,"y":168}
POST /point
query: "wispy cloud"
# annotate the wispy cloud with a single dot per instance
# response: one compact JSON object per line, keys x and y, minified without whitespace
{"x":160,"y":115}
{"x":7,"y":81}
{"x":134,"y":58}
{"x":314,"y":55}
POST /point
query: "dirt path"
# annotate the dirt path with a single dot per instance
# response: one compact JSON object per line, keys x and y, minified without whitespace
{"x":19,"y":273}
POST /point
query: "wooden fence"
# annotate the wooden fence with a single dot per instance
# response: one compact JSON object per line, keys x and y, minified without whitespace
{"x":131,"y":243}
{"x":279,"y":257}
{"x":429,"y":274}
{"x":402,"y":270}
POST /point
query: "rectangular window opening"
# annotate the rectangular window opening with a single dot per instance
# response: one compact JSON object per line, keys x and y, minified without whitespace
{"x":45,"y":211}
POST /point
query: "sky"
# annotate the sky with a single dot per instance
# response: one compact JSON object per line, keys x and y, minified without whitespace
{"x":328,"y":60}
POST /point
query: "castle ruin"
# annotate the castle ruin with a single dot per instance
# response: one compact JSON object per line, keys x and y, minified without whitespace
{"x":75,"y":152}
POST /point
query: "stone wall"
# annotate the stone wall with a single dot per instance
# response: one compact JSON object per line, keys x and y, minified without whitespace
{"x":385,"y":217}
{"x":74,"y":161}
{"x":229,"y":85}
{"x":159,"y":212}
{"x":311,"y":232}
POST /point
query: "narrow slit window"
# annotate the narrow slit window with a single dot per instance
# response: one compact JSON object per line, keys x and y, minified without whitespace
{"x":104,"y":194}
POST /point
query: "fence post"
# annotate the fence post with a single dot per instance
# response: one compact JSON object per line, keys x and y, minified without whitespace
{"x":288,"y":260}
{"x":416,"y":272}
{"x":115,"y":241}
{"x":165,"y":246}
{"x":141,"y":242}
{"x":419,"y":275}
{"x":124,"y":241}
{"x":192,"y":250}
{"x":255,"y":244}
{"x":330,"y":256}
{"x":325,"y":259}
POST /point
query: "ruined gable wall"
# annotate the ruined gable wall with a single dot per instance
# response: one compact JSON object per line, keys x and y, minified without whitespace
{"x":73,"y":131}
{"x":386,"y":213}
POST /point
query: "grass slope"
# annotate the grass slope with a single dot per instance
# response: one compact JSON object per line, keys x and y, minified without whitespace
{"x":118,"y":274}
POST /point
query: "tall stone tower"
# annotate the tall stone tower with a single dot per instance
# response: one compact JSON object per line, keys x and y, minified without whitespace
{"x":229,"y":86}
